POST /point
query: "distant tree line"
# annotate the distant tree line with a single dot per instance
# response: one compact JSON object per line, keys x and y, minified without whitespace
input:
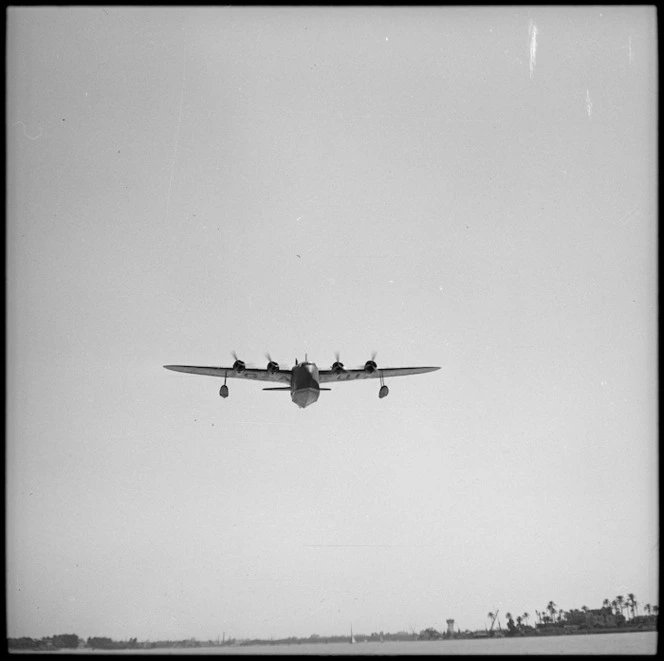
{"x":316,"y":638}
{"x":102,"y":643}
{"x":60,"y":642}
{"x":72,"y":641}
{"x":613,"y":614}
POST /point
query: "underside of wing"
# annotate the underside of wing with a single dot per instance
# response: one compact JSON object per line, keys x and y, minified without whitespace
{"x":328,"y":376}
{"x":248,"y":373}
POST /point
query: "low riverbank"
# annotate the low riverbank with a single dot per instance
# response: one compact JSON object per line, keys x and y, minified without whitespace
{"x":541,"y":633}
{"x":631,"y":643}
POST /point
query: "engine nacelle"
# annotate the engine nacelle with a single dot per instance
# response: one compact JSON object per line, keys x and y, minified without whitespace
{"x":338,"y":367}
{"x":238,"y":366}
{"x":370,"y":366}
{"x":272,"y":367}
{"x":223,"y":391}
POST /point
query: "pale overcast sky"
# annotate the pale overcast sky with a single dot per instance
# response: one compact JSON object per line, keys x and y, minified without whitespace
{"x":474,"y":188}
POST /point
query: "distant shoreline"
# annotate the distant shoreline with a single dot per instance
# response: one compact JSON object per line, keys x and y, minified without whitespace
{"x":520,"y":646}
{"x":312,"y":643}
{"x":554,"y":633}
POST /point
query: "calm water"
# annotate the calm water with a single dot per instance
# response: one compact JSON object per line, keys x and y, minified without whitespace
{"x":617,"y":643}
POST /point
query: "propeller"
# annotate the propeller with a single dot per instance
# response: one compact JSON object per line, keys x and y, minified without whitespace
{"x":238,"y":365}
{"x":272,"y":365}
{"x":370,"y":366}
{"x":337,"y":366}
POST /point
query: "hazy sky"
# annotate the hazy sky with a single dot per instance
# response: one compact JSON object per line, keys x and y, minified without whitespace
{"x":470,"y":188}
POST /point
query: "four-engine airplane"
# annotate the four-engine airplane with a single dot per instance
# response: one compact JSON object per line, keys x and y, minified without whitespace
{"x":303,"y":379}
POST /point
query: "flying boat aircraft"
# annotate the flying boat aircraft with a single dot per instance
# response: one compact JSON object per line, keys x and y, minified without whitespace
{"x":304,"y":378}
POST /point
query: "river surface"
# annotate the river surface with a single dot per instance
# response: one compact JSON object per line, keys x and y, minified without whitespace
{"x":609,"y":643}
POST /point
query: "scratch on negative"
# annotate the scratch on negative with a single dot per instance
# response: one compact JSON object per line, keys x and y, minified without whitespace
{"x":629,"y":216}
{"x":29,"y":137}
{"x":366,"y":546}
{"x":532,"y":30}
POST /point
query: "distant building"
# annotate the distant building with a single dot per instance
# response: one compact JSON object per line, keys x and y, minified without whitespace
{"x":596,"y":618}
{"x":450,"y":627}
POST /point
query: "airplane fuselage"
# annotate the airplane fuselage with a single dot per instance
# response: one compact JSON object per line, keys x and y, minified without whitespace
{"x":305,"y":388}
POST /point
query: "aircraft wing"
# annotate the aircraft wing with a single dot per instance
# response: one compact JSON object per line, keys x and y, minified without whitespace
{"x":328,"y":376}
{"x":248,"y":373}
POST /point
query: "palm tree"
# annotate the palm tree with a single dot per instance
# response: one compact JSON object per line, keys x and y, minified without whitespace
{"x":614,"y":607}
{"x":647,"y":608}
{"x":551,"y":607}
{"x":621,"y":602}
{"x":655,"y":609}
{"x":526,"y":617}
{"x":519,"y":619}
{"x":539,"y":616}
{"x":606,"y":604}
{"x":632,"y":603}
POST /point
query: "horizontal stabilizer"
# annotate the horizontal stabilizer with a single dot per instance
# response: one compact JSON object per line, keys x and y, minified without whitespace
{"x":289,"y":388}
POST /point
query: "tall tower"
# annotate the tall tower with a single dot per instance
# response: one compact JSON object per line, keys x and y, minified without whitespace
{"x":450,"y":627}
